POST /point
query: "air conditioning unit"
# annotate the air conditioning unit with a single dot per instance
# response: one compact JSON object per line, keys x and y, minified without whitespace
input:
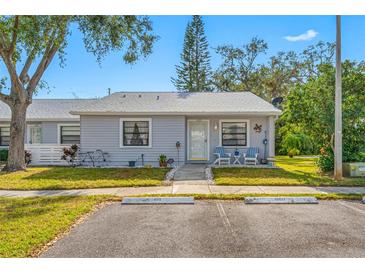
{"x":354,"y":169}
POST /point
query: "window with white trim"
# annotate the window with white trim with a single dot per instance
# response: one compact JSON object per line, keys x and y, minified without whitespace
{"x":136,"y":133}
{"x":234,"y":133}
{"x":34,"y":134}
{"x":4,"y":135}
{"x":70,"y":134}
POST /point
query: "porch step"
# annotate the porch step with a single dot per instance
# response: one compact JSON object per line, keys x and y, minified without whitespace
{"x":190,"y":172}
{"x":191,"y":182}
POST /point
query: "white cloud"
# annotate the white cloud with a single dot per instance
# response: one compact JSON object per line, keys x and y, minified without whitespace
{"x":308,"y":35}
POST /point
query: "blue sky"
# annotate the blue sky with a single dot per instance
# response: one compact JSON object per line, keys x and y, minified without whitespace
{"x":83,"y":77}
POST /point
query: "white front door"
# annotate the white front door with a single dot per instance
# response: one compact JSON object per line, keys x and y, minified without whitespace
{"x":198,"y":140}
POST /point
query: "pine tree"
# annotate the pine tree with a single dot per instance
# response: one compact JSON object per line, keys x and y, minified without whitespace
{"x":194,"y":71}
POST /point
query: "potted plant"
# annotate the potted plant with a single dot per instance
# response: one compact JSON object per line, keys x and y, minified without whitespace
{"x":163,"y":160}
{"x":28,"y":157}
{"x":69,"y":154}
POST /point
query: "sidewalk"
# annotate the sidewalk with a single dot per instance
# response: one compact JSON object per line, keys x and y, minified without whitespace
{"x":186,"y":189}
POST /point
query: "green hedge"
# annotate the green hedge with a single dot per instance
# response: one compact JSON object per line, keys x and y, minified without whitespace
{"x":3,"y":154}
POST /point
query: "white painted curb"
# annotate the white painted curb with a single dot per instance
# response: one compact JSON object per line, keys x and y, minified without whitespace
{"x":157,"y":200}
{"x":281,"y":200}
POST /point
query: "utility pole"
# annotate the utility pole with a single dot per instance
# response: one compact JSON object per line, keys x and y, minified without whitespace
{"x":338,"y":104}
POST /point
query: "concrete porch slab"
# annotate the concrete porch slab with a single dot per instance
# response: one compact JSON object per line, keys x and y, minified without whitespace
{"x":191,"y":182}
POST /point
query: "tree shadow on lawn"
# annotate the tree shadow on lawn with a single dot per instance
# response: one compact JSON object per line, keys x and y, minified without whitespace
{"x":96,"y":174}
{"x":30,"y":207}
{"x":264,"y":175}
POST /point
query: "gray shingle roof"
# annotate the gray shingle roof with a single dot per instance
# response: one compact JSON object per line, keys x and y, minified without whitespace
{"x":179,"y":103}
{"x":48,"y":109}
{"x":147,"y":103}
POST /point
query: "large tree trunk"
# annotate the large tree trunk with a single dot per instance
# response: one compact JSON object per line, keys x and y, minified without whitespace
{"x":16,"y":157}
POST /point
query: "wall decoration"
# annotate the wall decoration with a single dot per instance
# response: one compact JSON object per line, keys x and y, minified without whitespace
{"x":258,"y":128}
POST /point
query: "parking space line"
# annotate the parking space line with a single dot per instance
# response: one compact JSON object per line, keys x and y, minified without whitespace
{"x":352,"y":207}
{"x":225,"y":219}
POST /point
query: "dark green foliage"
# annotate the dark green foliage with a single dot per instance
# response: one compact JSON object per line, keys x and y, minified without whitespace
{"x":130,"y":34}
{"x":299,"y":141}
{"x":3,"y":155}
{"x":310,"y":106}
{"x":194,"y":71}
{"x":239,"y":70}
{"x":326,"y":162}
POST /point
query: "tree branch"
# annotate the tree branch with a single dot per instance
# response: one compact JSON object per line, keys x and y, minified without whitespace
{"x":48,"y":55}
{"x":26,"y":67}
{"x":5,"y":98}
{"x":11,"y":69}
{"x":14,"y":36}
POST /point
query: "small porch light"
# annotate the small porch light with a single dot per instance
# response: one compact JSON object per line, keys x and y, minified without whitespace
{"x":215,"y":126}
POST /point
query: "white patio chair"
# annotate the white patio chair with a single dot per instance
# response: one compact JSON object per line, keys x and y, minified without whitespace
{"x":251,"y":156}
{"x":222,"y":157}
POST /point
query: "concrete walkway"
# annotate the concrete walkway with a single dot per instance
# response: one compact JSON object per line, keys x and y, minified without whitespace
{"x":186,"y":189}
{"x":190,"y":172}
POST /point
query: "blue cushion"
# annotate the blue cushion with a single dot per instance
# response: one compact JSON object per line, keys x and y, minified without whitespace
{"x":220,"y":151}
{"x":251,"y":152}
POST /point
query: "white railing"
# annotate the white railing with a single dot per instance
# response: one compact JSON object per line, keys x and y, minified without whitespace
{"x":46,"y":154}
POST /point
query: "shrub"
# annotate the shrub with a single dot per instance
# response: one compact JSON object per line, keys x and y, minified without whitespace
{"x":293,"y":152}
{"x":299,"y":141}
{"x":162,"y":160}
{"x":69,"y":154}
{"x":326,"y":161}
{"x":3,"y":155}
{"x":27,"y":157}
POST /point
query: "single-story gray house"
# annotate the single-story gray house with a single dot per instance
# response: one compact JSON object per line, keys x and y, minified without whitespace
{"x":128,"y":124}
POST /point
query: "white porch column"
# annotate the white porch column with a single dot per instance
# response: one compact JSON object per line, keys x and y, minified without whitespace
{"x":271,"y":136}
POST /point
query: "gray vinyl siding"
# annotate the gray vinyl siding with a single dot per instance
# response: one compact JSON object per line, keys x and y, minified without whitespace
{"x":255,"y":139}
{"x":50,"y":131}
{"x":103,"y":132}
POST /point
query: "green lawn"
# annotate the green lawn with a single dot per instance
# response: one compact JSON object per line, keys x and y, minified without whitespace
{"x":293,"y":171}
{"x":27,"y":224}
{"x":71,"y":178}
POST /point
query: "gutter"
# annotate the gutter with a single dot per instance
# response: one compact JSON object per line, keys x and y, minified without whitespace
{"x":113,"y":113}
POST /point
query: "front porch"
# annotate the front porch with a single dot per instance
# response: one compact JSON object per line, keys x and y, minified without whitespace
{"x":235,"y":135}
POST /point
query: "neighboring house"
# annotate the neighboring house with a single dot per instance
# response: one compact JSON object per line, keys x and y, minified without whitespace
{"x":128,"y":124}
{"x":50,"y":127}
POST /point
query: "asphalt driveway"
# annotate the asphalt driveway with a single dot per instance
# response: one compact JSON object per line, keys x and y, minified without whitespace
{"x":219,"y":229}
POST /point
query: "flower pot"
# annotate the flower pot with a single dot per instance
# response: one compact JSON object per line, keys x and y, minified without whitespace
{"x":263,"y":161}
{"x":163,"y":164}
